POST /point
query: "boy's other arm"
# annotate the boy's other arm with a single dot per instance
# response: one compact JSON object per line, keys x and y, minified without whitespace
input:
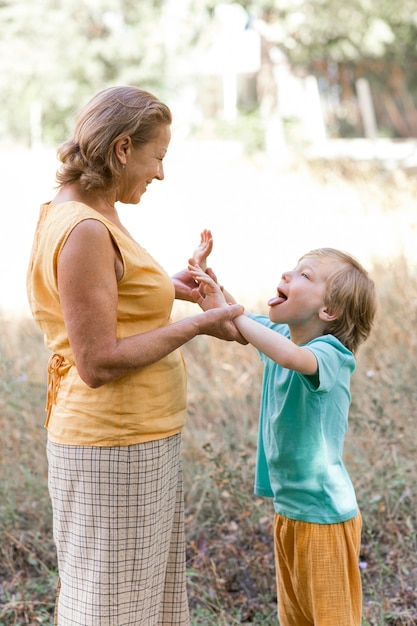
{"x":277,"y":347}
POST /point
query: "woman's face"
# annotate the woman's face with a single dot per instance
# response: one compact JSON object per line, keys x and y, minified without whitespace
{"x":143,"y":164}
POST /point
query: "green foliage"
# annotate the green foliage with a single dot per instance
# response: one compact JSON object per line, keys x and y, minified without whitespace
{"x":56,"y":54}
{"x":340,"y":43}
{"x":335,"y":30}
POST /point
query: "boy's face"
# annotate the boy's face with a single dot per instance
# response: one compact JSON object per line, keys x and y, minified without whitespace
{"x":301,"y":293}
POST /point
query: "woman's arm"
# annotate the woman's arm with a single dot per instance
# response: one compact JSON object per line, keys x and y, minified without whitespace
{"x":87,"y":284}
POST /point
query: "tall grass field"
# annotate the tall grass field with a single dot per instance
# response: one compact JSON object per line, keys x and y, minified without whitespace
{"x":230,"y":563}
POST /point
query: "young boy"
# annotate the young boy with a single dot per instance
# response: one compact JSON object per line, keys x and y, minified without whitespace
{"x":323,"y":310}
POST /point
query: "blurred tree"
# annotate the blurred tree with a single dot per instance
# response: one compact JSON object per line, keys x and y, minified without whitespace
{"x":54,"y":54}
{"x":342,"y":41}
{"x":340,"y":31}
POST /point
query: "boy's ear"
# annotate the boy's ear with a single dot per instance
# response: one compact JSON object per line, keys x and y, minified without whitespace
{"x":326,"y":316}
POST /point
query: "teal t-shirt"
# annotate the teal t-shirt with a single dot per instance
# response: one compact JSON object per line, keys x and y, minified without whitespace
{"x":302,"y":428}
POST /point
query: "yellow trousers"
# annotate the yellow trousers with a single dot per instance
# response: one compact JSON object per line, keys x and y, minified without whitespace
{"x":318,"y":576}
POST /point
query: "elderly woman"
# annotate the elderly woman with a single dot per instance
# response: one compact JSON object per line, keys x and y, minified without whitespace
{"x":116,"y":379}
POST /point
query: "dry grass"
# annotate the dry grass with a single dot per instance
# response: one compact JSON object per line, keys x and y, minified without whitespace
{"x":27,"y":554}
{"x":230,"y":558}
{"x":382,"y":448}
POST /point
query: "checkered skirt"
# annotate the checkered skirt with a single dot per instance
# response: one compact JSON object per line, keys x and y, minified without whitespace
{"x":119,"y":532}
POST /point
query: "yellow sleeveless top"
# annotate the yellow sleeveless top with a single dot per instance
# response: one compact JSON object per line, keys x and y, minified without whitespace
{"x":147,"y":404}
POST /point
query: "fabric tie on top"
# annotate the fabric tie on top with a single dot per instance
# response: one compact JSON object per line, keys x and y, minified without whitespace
{"x":56,"y":368}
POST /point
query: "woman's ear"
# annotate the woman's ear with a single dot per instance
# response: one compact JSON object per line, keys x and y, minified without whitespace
{"x":122,"y":149}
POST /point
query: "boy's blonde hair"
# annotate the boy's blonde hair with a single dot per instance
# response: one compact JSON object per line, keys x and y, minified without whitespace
{"x":351,"y":295}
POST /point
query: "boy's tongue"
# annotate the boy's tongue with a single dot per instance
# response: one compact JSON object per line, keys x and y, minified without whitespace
{"x":276,"y":300}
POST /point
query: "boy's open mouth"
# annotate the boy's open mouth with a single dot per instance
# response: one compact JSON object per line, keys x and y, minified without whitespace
{"x":278,"y":299}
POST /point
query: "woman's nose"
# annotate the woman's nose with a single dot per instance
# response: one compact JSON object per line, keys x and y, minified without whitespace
{"x":161,"y":174}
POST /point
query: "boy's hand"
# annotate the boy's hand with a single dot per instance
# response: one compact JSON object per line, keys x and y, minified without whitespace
{"x":208,"y":294}
{"x":184,"y":283}
{"x":201,"y":253}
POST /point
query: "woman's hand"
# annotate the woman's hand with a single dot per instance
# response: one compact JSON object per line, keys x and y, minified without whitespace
{"x":218,"y":322}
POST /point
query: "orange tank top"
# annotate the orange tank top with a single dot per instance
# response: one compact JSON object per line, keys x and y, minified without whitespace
{"x":147,"y":404}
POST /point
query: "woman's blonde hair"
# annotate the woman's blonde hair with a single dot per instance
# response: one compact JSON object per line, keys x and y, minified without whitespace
{"x":350,"y":294}
{"x":89,"y":157}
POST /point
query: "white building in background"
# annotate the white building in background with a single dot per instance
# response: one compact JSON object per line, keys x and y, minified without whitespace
{"x":237,"y":67}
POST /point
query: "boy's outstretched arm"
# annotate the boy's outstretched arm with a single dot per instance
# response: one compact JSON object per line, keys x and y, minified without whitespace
{"x":277,"y":347}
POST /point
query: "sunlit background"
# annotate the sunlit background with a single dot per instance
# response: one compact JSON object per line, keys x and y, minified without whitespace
{"x":269,"y":99}
{"x":295,"y":126}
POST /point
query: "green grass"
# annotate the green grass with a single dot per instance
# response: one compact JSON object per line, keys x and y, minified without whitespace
{"x":229,"y":530}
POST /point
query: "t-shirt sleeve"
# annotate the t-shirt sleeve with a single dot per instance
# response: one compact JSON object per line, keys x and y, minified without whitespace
{"x":331,"y":356}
